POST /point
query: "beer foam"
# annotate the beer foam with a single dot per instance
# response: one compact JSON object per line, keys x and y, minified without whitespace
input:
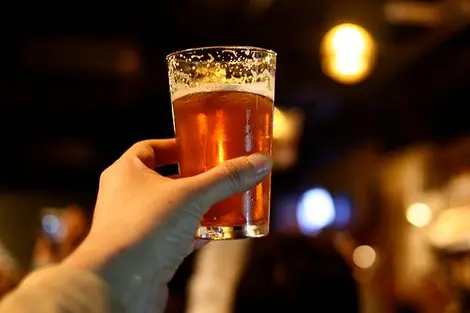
{"x":262,"y":89}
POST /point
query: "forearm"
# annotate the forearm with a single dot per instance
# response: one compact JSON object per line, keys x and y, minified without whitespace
{"x":59,"y":289}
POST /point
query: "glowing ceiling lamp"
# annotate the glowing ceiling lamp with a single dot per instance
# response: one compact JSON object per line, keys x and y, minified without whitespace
{"x":348,"y":53}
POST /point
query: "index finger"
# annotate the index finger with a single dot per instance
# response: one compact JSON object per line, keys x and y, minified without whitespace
{"x":154,"y":152}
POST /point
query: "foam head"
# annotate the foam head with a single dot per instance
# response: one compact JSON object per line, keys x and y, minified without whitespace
{"x":239,"y":69}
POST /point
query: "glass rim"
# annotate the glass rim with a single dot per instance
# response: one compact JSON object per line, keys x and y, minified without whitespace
{"x":252,"y":48}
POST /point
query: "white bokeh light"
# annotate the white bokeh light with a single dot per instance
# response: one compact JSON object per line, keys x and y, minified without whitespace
{"x":364,"y":256}
{"x":315,"y":211}
{"x":50,"y":224}
{"x":419,"y":214}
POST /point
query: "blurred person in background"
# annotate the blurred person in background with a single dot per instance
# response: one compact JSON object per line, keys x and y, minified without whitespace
{"x":8,"y":281}
{"x":9,"y":274}
{"x":77,"y":227}
{"x":292,"y":273}
{"x":212,"y":288}
{"x":56,"y":242}
{"x":277,"y":273}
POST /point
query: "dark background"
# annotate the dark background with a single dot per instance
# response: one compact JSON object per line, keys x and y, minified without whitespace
{"x":67,"y":109}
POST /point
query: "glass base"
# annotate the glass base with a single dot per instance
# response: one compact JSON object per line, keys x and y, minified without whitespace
{"x":232,"y":232}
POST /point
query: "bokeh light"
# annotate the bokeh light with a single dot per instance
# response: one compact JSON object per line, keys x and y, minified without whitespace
{"x":348,"y":53}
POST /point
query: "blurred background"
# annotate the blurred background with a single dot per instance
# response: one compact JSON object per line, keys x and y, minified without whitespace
{"x":371,"y":190}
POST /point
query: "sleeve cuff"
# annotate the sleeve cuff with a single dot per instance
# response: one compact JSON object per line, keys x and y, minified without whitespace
{"x":63,"y":289}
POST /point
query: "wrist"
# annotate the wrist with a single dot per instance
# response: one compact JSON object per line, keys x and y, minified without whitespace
{"x":129,"y":282}
{"x":88,"y":256}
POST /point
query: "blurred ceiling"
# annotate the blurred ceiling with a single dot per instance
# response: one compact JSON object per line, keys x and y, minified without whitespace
{"x":82,"y":81}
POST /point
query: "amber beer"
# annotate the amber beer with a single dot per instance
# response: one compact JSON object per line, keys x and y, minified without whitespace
{"x":215,"y":122}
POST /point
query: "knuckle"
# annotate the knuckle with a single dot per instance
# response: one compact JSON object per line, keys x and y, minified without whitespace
{"x":135,"y":147}
{"x":233,"y":172}
{"x":105,"y":174}
{"x":109,"y":173}
{"x":139,"y":144}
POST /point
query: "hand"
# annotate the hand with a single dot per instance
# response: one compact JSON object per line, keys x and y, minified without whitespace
{"x":144,"y":224}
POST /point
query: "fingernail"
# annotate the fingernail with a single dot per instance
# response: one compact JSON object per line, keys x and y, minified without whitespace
{"x":260,"y":162}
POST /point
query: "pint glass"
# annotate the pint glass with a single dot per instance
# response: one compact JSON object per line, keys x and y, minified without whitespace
{"x":222,"y":99}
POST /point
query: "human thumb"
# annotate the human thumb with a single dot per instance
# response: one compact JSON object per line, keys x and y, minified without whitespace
{"x":231,"y":177}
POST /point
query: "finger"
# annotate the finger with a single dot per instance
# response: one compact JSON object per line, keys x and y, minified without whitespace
{"x":229,"y":178}
{"x":174,"y":176}
{"x":154,"y":152}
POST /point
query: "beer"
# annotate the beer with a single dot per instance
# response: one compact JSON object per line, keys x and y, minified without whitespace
{"x":212,"y":127}
{"x":222,"y":101}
